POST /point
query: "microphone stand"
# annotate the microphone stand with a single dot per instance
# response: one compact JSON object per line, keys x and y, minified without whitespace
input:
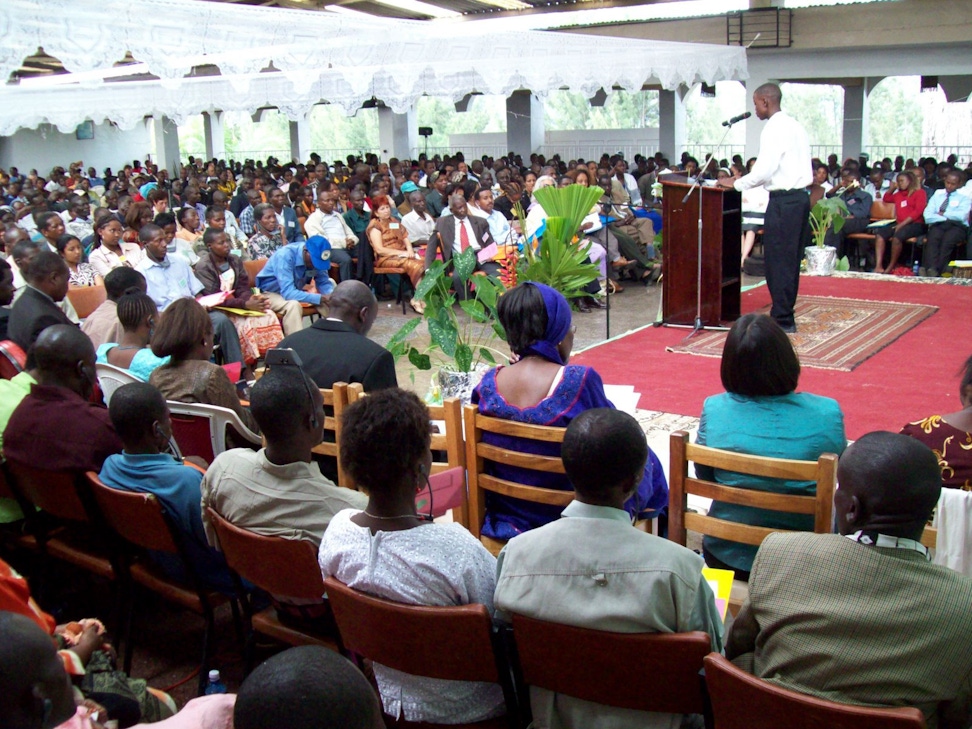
{"x":697,"y":183}
{"x":607,"y":272}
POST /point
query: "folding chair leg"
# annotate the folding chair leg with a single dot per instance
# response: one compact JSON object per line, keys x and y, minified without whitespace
{"x":127,"y":641}
{"x":209,"y":638}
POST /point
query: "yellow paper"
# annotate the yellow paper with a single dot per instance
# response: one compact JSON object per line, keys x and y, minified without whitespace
{"x":240,"y":312}
{"x":720,"y":581}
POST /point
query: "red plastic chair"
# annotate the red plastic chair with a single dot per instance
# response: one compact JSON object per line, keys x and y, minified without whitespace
{"x":12,"y":359}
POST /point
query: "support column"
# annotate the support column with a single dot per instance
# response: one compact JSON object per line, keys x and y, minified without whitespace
{"x":167,"y":144}
{"x":300,"y":136}
{"x":214,"y":134}
{"x":397,"y":133}
{"x":671,"y":123}
{"x":854,"y":135}
{"x":524,"y":123}
{"x":754,"y":127}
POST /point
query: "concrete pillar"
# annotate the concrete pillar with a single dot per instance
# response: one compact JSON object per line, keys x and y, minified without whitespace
{"x":397,"y":133}
{"x":854,"y":135}
{"x":672,"y":134}
{"x":214,"y":134}
{"x":300,"y":136}
{"x":524,"y":123}
{"x":754,"y":127}
{"x":167,"y":144}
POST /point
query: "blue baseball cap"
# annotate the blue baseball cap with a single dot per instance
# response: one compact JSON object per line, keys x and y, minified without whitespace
{"x":319,"y":248}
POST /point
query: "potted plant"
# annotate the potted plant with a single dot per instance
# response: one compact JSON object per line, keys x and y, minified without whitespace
{"x":828,"y":212}
{"x":461,"y":345}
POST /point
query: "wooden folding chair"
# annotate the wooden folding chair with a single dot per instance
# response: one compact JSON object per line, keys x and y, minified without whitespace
{"x":86,"y":299}
{"x":880,"y":210}
{"x":283,"y":567}
{"x":139,"y":521}
{"x":597,"y":666}
{"x":478,"y":453}
{"x":336,"y":399}
{"x":201,"y":430}
{"x":452,"y":643}
{"x":453,"y":444}
{"x":823,"y":471}
{"x":742,"y":701}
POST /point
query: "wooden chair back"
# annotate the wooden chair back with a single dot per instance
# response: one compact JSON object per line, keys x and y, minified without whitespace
{"x":135,"y":517}
{"x":742,"y":701}
{"x":929,"y":537}
{"x":452,"y":643}
{"x":253,"y":268}
{"x":597,"y":666}
{"x":86,"y":299}
{"x":478,"y":453}
{"x":279,"y":566}
{"x":453,"y":444}
{"x":337,"y":398}
{"x":823,"y":471}
{"x":55,"y":492}
{"x":12,"y":359}
{"x":881,"y":210}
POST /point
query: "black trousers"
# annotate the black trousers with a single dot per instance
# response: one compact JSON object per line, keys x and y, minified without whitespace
{"x":786,"y":231}
{"x":940,"y":244}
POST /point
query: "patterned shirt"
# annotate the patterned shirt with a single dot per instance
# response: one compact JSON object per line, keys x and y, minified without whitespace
{"x":262,"y":245}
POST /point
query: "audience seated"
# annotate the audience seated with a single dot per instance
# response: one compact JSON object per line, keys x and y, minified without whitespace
{"x":592,"y":569}
{"x":947,"y":216}
{"x":307,"y":687}
{"x":84,"y":660}
{"x":950,"y":437}
{"x":169,"y":278}
{"x":418,"y":224}
{"x":909,"y":204}
{"x":6,"y":296}
{"x":858,"y":203}
{"x":137,"y":315}
{"x":141,"y":419}
{"x":330,"y":224}
{"x":267,"y":236}
{"x":541,"y":389}
{"x":389,"y":551}
{"x":37,"y":308}
{"x":862,"y":616}
{"x":285,"y":276}
{"x":762,"y":414}
{"x":81,"y":274}
{"x":391,"y":247}
{"x":56,"y":427}
{"x":102,"y":324}
{"x":454,"y":234}
{"x":185,"y":334}
{"x":337,"y":349}
{"x":221,"y":272}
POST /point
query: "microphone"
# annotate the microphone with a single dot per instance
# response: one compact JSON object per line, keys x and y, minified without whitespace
{"x":741,"y":117}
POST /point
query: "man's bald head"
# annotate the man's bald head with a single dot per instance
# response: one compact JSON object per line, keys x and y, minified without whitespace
{"x":35,"y":690}
{"x":354,"y":303}
{"x":771,"y":92}
{"x":889,"y":483}
{"x":64,"y":356}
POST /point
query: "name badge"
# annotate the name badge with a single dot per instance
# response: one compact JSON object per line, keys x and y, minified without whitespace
{"x":394,"y":226}
{"x":485,"y":236}
{"x":904,"y":203}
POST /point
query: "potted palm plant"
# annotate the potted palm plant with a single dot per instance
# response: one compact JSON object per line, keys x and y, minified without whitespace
{"x":828,"y":212}
{"x":460,"y":345}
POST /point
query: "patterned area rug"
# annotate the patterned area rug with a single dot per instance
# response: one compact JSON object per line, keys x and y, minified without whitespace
{"x":832,"y":333}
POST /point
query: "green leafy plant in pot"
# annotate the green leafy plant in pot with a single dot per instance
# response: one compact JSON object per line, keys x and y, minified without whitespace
{"x":828,"y":212}
{"x":460,"y":345}
{"x":557,"y":260}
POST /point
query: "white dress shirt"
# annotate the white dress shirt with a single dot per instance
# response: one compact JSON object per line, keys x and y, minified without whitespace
{"x":418,"y":228}
{"x":784,"y":157}
{"x":474,"y":242}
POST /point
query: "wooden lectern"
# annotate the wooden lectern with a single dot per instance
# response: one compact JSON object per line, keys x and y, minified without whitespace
{"x":721,"y":253}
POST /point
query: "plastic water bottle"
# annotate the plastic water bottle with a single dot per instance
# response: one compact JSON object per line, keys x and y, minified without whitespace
{"x":914,"y":269}
{"x":216,"y":685}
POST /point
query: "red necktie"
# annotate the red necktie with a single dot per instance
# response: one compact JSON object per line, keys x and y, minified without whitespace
{"x":463,"y":236}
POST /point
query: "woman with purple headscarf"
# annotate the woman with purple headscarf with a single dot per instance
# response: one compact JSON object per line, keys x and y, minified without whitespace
{"x":542,"y":389}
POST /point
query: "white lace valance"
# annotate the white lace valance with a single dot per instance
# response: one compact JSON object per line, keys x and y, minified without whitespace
{"x":321,"y":57}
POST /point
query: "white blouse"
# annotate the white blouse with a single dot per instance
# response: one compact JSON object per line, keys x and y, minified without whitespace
{"x":432,"y":564}
{"x":104,"y":260}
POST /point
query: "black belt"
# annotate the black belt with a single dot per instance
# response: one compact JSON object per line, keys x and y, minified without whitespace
{"x":782,"y":193}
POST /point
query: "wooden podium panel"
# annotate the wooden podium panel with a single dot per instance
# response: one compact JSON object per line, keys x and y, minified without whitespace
{"x":721,"y":251}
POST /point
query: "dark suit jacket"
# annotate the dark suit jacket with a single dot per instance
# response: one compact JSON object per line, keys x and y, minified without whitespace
{"x":331,"y":351}
{"x":291,"y":230}
{"x":31,"y":314}
{"x":446,"y":228}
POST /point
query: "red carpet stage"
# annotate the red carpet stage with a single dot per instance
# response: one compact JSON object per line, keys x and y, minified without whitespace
{"x":914,"y":376}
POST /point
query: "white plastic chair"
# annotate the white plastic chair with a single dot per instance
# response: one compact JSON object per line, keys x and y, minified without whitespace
{"x":190,"y":436}
{"x":111,"y":378}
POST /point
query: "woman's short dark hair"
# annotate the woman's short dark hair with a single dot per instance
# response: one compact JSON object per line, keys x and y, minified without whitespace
{"x":758,"y":358}
{"x":133,"y":308}
{"x":260,"y":210}
{"x":62,"y":241}
{"x":523,"y":315}
{"x":184,"y":213}
{"x":181,"y":327}
{"x":164,"y":219}
{"x":385,"y":438}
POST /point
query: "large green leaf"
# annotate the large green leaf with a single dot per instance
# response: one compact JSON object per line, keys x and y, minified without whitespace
{"x":488,"y":290}
{"x":465,"y":264}
{"x":487,"y":356}
{"x":429,"y":280}
{"x":444,"y":335}
{"x":464,"y":358}
{"x":573,"y":203}
{"x":419,"y":360}
{"x":476,"y":311}
{"x":396,"y":345}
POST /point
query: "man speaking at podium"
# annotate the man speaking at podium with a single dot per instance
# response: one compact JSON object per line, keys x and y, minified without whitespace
{"x":783,"y":168}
